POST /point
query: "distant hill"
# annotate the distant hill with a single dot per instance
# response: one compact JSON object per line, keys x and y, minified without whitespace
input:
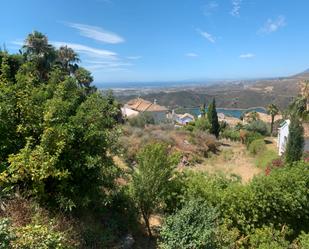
{"x":237,"y":94}
{"x":303,"y":75}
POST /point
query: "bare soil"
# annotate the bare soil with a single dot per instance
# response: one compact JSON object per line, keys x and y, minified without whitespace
{"x":232,"y":159}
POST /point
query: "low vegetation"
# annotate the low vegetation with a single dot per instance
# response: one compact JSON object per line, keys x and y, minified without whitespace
{"x":61,"y":186}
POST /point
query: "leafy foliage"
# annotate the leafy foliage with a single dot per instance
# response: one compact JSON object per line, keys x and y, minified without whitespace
{"x":6,"y":236}
{"x":272,"y":110}
{"x":258,"y":126}
{"x":295,"y":144}
{"x":152,"y":178}
{"x":55,"y":130}
{"x":193,"y":226}
{"x":141,"y":120}
{"x":212,"y":117}
{"x":257,"y":146}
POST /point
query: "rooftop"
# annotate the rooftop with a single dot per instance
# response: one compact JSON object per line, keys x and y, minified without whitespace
{"x":142,"y":105}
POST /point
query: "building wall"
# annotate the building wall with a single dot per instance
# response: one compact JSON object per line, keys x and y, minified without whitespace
{"x":283,"y":138}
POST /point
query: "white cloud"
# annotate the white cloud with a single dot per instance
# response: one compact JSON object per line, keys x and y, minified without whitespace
{"x":209,"y":8}
{"x":236,"y":7}
{"x":97,"y":60}
{"x":96,"y":33}
{"x":134,"y":57}
{"x":273,"y":25}
{"x":247,"y":56}
{"x":207,"y":35}
{"x":89,"y":51}
{"x":191,"y":55}
{"x":18,"y":42}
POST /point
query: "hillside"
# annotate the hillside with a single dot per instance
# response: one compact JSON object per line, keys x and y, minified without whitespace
{"x":235,"y":94}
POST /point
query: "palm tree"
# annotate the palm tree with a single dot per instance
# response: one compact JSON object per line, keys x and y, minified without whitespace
{"x":36,"y":45}
{"x":83,"y":77}
{"x":38,"y":50}
{"x":298,"y":108}
{"x":272,"y":110}
{"x":68,"y":59}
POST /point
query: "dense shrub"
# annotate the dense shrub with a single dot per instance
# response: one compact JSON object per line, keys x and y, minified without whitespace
{"x":280,"y":198}
{"x":40,"y":237}
{"x":296,"y":142}
{"x":257,"y":146}
{"x":251,"y":136}
{"x":193,"y":226}
{"x":231,"y":134}
{"x":267,"y":238}
{"x":258,"y":126}
{"x":141,"y":120}
{"x":302,"y":241}
{"x":6,"y":235}
{"x":202,"y":124}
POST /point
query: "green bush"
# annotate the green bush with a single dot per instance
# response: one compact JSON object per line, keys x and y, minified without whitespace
{"x":6,"y":236}
{"x":280,"y":198}
{"x":33,"y":235}
{"x":141,"y":120}
{"x":193,"y":226}
{"x":202,"y":124}
{"x":267,"y":238}
{"x":303,"y":241}
{"x":231,"y":134}
{"x":40,"y":237}
{"x":258,"y":126}
{"x":257,"y":147}
{"x":251,"y":136}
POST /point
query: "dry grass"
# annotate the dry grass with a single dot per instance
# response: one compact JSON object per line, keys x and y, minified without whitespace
{"x":233,"y":159}
{"x":188,"y":144}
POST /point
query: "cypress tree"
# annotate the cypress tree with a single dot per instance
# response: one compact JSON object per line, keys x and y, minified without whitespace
{"x":213,"y":119}
{"x":295,"y":144}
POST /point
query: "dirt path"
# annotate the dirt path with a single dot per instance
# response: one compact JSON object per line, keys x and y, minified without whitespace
{"x":233,"y":159}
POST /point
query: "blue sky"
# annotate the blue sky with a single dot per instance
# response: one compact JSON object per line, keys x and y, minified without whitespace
{"x":169,"y":40}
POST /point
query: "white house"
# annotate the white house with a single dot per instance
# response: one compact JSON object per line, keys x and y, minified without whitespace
{"x":184,"y":119}
{"x":139,"y":105}
{"x":127,"y":112}
{"x":283,"y":134}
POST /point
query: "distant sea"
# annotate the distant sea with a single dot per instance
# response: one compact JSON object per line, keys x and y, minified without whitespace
{"x":143,"y":85}
{"x":236,"y":113}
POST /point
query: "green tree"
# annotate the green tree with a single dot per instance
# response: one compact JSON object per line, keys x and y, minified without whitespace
{"x":56,"y":137}
{"x":38,"y":50}
{"x":83,"y":77}
{"x":212,"y":117}
{"x":272,"y":110}
{"x":5,"y":69}
{"x":152,"y":178}
{"x":295,"y":144}
{"x":67,"y":58}
{"x":298,"y":108}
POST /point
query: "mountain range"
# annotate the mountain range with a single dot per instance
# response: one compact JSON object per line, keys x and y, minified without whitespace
{"x":231,"y":94}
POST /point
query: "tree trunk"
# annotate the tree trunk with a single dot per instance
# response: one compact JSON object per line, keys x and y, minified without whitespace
{"x":272,"y":125}
{"x":146,"y":219}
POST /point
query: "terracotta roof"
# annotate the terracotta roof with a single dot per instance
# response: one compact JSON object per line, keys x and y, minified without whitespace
{"x":142,"y":105}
